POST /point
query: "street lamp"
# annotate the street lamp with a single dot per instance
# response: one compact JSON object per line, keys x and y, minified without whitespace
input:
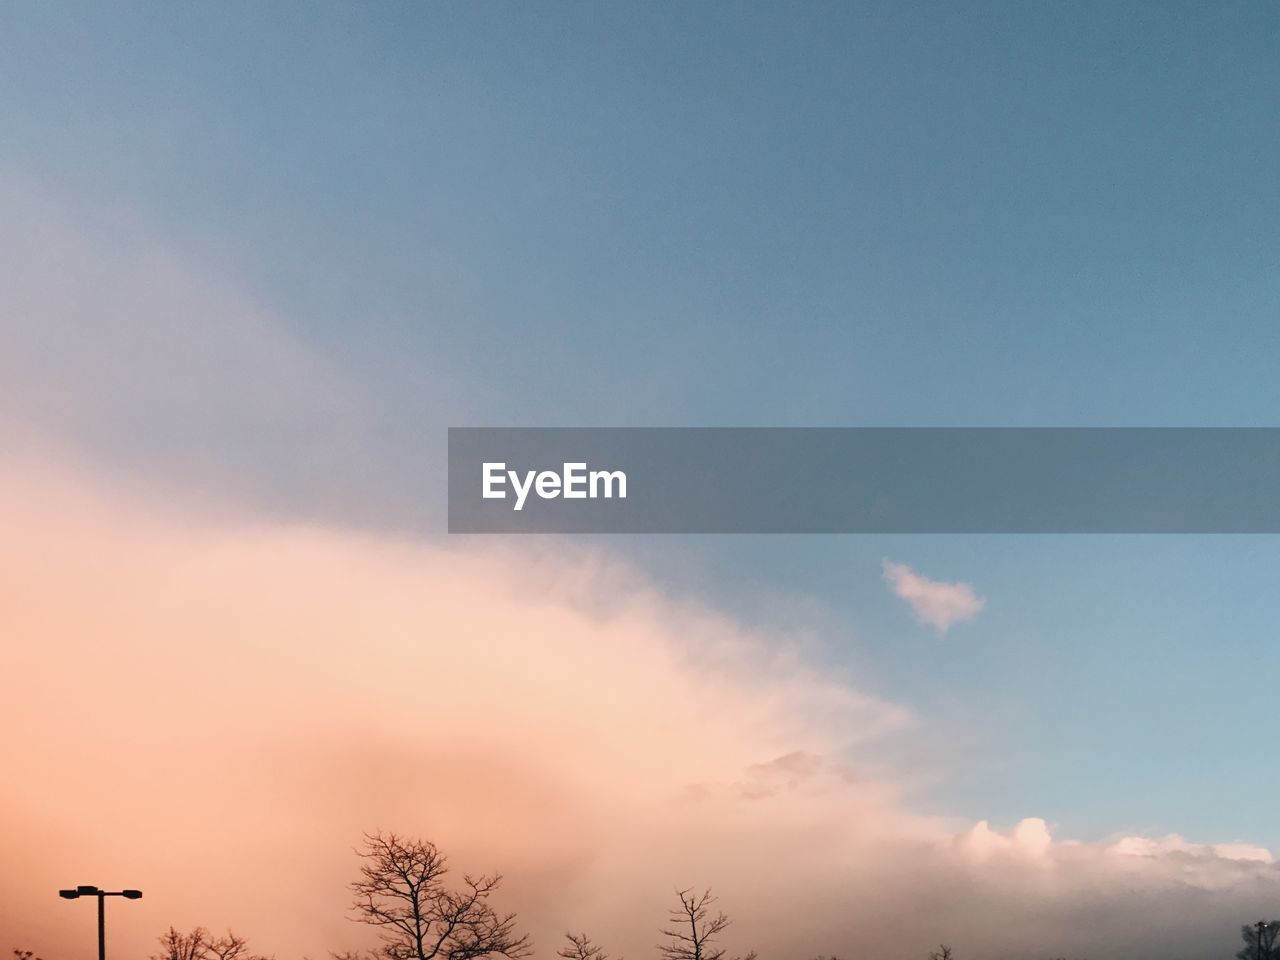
{"x":91,"y":891}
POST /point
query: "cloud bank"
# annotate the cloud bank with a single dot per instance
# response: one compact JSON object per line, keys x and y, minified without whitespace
{"x":210,"y":702}
{"x":934,"y":603}
{"x":212,"y":708}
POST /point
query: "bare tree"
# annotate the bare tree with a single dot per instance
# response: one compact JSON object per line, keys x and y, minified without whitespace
{"x":200,"y":944}
{"x":402,"y":892}
{"x":580,"y":947}
{"x":182,"y":946}
{"x":230,"y":947}
{"x":1260,"y":940}
{"x":692,"y":930}
{"x":942,"y":953}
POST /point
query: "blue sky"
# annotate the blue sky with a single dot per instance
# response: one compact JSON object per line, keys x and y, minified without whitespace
{"x":666,"y":214}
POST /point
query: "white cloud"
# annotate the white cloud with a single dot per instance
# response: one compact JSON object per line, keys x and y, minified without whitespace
{"x":1029,"y":840}
{"x":1175,"y":844}
{"x":938,"y":604}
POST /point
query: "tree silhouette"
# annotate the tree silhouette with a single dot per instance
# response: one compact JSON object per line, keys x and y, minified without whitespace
{"x":231,"y":947}
{"x":200,"y":944}
{"x":942,"y":953}
{"x":692,"y":930}
{"x":1260,"y":940}
{"x":580,"y":947}
{"x":402,"y":892}
{"x":181,"y":946}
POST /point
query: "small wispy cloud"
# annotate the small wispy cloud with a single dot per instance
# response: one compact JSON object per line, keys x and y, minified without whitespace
{"x":938,"y":604}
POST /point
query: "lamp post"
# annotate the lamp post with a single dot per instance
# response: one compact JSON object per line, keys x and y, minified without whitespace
{"x":91,"y":891}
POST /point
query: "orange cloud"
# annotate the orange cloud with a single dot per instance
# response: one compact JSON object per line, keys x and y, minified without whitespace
{"x":213,"y":707}
{"x":214,"y":711}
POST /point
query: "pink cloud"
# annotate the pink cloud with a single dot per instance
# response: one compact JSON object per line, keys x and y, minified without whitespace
{"x":212,"y":708}
{"x":937,"y":604}
{"x":212,"y":705}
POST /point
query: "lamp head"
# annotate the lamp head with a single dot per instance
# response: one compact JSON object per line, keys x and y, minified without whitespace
{"x":131,"y":894}
{"x":69,"y":894}
{"x":87,"y":890}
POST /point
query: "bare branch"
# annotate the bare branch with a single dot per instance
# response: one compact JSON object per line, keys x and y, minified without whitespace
{"x":199,"y":944}
{"x":579,"y":946}
{"x":693,"y":929}
{"x":401,"y":890}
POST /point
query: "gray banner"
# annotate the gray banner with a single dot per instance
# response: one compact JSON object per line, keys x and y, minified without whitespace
{"x":864,"y":480}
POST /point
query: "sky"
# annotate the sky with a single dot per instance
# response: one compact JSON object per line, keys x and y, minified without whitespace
{"x":254,"y":260}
